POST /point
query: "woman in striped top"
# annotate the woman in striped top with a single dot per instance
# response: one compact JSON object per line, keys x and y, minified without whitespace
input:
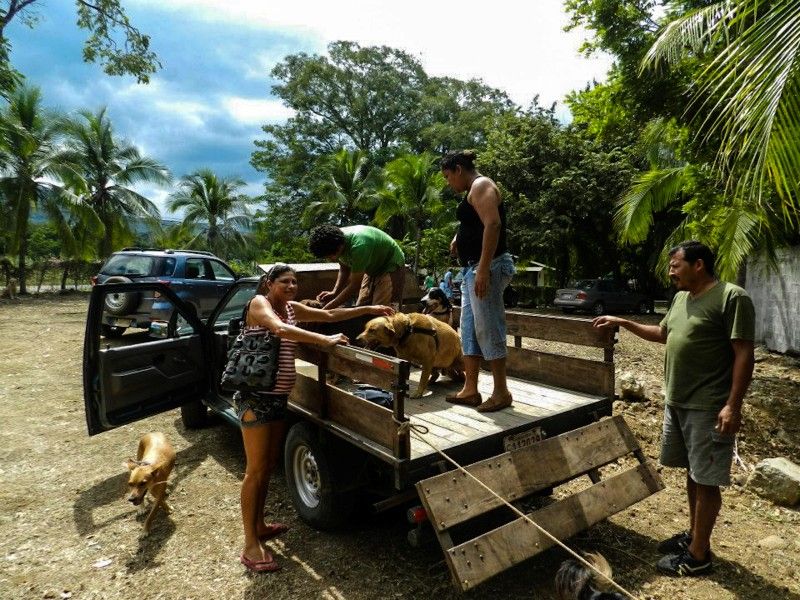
{"x":262,"y":414}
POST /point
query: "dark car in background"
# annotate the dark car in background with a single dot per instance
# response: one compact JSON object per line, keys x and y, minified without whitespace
{"x":599,"y":296}
{"x":199,"y":278}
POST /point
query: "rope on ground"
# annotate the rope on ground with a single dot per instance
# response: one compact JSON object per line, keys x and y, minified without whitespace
{"x":419,"y":431}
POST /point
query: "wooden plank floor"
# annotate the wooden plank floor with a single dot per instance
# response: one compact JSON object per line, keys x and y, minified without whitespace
{"x":451,"y":425}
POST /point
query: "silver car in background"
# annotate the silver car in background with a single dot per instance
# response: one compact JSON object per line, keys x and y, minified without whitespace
{"x":599,"y":296}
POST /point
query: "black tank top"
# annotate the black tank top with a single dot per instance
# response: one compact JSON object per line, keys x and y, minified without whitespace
{"x":469,"y":240}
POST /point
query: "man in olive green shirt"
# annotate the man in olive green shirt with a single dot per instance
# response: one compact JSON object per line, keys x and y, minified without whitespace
{"x":708,"y":364}
{"x":370,"y":262}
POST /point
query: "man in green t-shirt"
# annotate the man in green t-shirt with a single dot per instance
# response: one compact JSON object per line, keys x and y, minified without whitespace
{"x":708,"y":363}
{"x":370,"y":262}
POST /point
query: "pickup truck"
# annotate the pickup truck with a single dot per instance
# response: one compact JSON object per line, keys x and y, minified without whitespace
{"x":341,"y":449}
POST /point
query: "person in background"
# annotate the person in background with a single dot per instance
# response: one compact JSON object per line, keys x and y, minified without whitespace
{"x":430,"y":281}
{"x":709,"y":331}
{"x":369,"y":259}
{"x":262,"y":414}
{"x":480,"y":244}
{"x":446,"y":284}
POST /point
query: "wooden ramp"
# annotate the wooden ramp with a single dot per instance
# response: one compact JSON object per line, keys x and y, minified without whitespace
{"x":453,"y":500}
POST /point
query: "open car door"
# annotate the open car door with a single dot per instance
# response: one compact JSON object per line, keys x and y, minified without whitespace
{"x":141,"y":373}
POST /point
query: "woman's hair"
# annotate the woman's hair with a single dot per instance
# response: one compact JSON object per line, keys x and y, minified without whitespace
{"x":274,"y":272}
{"x":325,"y":240}
{"x":461,"y":158}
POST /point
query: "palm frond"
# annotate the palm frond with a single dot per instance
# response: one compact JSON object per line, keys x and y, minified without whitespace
{"x":652,"y":192}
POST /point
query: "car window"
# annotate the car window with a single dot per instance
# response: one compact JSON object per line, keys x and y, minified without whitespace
{"x":195,"y":269}
{"x":221,"y":272}
{"x":584,"y":284}
{"x":165,"y":267}
{"x":234,"y":306}
{"x":129,"y":264}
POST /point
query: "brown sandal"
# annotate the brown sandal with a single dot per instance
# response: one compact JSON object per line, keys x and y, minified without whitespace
{"x":494,"y":403}
{"x":471,"y":400}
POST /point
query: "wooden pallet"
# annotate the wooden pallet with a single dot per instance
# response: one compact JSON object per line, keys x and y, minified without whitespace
{"x":453,"y":500}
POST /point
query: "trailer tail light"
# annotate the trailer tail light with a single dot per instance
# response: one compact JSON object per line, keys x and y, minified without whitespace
{"x":166,"y":282}
{"x":416,"y":515}
{"x":580,"y":296}
{"x":93,"y":279}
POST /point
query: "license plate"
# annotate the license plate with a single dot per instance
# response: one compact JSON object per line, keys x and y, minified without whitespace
{"x":122,"y":322}
{"x":523,"y":440}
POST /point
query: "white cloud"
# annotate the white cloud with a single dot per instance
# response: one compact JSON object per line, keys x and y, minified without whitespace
{"x":517,"y":46}
{"x":251,"y":111}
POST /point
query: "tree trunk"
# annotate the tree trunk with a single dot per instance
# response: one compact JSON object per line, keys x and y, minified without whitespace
{"x":23,"y":272}
{"x":64,"y":276}
{"x":418,"y":238}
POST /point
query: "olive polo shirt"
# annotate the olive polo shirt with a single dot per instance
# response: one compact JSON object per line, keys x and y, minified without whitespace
{"x":698,"y":365}
{"x":370,"y":250}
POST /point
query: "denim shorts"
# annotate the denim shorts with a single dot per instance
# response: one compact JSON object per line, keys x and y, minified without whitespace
{"x":483,"y":320}
{"x":267,"y":408}
{"x":690,"y":441}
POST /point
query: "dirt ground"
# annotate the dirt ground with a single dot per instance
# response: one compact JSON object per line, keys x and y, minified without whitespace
{"x":67,"y":532}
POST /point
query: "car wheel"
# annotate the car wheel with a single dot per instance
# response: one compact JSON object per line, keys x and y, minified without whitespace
{"x":194,"y":415}
{"x":644,"y":307}
{"x":121,"y":303}
{"x":598,"y":308}
{"x":110,"y":332}
{"x":322,"y":497}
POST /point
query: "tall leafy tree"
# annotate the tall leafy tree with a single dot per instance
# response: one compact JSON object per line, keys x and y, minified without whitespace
{"x":32,"y":173}
{"x":113,"y":41}
{"x":346,"y":188}
{"x":214,"y":209}
{"x":412,"y":194}
{"x":108,"y":169}
{"x":747,"y":95}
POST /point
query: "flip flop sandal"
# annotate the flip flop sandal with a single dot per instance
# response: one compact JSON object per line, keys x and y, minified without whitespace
{"x":276,"y":530}
{"x":259,"y":566}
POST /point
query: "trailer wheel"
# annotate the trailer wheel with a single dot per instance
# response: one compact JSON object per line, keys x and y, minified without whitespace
{"x":322,"y":497}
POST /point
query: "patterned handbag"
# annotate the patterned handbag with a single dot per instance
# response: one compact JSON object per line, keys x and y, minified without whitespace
{"x":252,"y":359}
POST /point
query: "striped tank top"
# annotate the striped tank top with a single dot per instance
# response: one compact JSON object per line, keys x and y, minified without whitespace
{"x":286,"y":370}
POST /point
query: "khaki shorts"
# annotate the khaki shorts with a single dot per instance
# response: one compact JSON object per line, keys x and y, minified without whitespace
{"x":690,"y":441}
{"x":386,"y":289}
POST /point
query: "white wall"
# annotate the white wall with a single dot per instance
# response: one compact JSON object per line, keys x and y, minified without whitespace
{"x":776,"y":295}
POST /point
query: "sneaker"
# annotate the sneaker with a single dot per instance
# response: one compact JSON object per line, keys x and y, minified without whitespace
{"x":684,"y":564}
{"x":676,"y":544}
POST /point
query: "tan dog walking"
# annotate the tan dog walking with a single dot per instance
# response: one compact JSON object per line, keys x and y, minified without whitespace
{"x":149,"y":473}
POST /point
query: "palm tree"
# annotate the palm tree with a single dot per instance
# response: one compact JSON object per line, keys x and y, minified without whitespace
{"x":214,"y":210}
{"x":735,"y":225}
{"x":747,"y":92}
{"x":31,"y":175}
{"x":108,"y":168}
{"x":413,"y":193}
{"x":346,"y":186}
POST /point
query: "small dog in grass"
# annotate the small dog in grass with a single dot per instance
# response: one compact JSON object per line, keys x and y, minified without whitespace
{"x":149,"y":472}
{"x":576,"y":581}
{"x":10,"y":291}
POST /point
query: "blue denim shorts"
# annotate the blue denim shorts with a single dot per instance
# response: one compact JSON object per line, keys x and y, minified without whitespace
{"x":483,"y":320}
{"x":690,"y":441}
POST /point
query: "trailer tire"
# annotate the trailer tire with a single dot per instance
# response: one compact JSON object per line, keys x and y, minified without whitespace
{"x":323,"y":497}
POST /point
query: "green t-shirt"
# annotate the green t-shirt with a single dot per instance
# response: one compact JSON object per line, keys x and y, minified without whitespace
{"x":369,"y":250}
{"x":698,"y":365}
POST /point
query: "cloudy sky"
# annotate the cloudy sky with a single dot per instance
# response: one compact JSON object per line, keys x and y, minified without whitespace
{"x":207,"y":104}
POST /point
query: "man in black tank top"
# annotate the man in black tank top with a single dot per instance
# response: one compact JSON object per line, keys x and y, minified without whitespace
{"x":480,"y":244}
